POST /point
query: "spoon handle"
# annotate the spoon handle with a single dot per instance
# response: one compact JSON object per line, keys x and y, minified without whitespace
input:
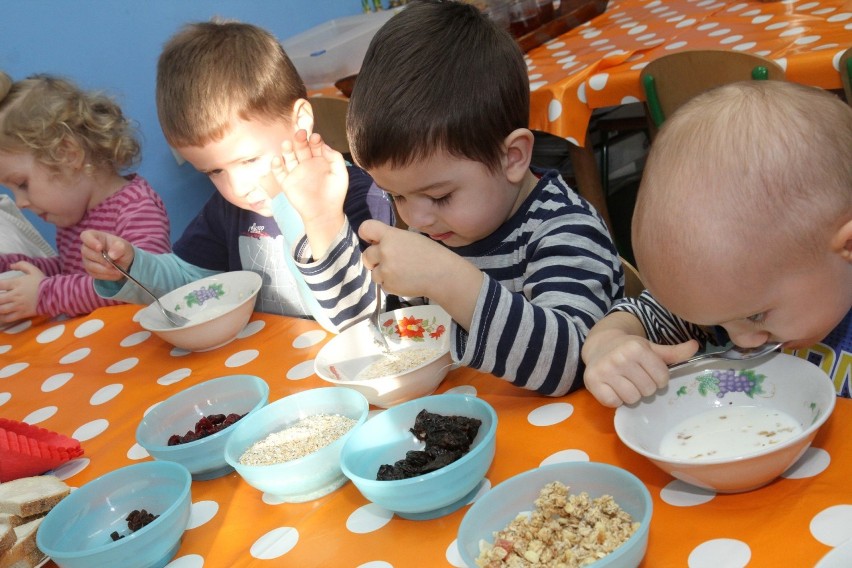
{"x":127,"y":274}
{"x":691,"y":360}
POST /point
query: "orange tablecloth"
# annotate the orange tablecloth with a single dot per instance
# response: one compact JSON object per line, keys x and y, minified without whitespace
{"x":93,"y":377}
{"x":597,"y":64}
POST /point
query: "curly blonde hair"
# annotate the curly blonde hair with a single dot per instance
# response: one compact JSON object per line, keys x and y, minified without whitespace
{"x":41,"y":113}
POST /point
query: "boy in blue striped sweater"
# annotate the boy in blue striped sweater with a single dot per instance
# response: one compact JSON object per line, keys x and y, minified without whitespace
{"x":439,"y":118}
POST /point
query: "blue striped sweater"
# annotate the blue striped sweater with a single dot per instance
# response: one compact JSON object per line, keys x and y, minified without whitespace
{"x":551,"y":271}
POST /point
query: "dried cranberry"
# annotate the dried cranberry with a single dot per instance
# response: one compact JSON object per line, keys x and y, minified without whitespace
{"x":206,"y":426}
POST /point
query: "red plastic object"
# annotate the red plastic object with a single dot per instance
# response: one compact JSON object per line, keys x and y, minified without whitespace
{"x":27,"y":450}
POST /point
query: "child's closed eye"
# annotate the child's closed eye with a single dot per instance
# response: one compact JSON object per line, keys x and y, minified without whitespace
{"x":443,"y":200}
{"x":757,"y":318}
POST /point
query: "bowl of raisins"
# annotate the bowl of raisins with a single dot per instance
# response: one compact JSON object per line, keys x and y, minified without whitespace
{"x":192,"y":426}
{"x":132,"y":517}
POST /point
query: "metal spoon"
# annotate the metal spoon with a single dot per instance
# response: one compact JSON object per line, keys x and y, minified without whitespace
{"x":175,"y":319}
{"x":733,"y":354}
{"x":375,"y":324}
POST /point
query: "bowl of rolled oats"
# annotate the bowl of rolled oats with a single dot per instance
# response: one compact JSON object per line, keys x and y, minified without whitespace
{"x":290,"y":449}
{"x":566,"y":514}
{"x":419,"y":358}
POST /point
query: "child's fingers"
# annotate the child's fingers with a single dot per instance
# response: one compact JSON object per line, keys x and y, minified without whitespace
{"x":289,"y":161}
{"x":301,"y":146}
{"x":372,"y":231}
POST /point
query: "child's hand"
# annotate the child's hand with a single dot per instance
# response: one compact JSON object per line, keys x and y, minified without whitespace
{"x":19,"y":296}
{"x":120,"y":250}
{"x":622,"y":368}
{"x":314,"y":178}
{"x":409,"y":264}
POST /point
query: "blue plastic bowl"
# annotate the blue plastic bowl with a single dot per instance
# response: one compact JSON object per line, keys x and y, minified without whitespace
{"x":205,"y":457}
{"x":306,"y":478}
{"x":499,"y":506}
{"x":76,"y":532}
{"x":385,"y":439}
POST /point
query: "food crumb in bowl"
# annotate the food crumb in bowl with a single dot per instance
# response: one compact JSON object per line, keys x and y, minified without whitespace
{"x":305,"y":437}
{"x":398,"y":362}
{"x":563,"y":531}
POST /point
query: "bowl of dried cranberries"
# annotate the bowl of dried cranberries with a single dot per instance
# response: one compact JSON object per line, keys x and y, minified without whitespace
{"x":192,"y":426}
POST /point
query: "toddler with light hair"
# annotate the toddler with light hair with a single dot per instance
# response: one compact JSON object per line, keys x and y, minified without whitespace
{"x":742,"y":231}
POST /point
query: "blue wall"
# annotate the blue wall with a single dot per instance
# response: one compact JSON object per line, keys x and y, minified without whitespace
{"x":113,"y":45}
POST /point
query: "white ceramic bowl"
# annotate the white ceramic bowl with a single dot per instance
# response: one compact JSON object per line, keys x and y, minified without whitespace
{"x":498,"y":507}
{"x":387,"y":437}
{"x":419,"y":327}
{"x":784,"y":402}
{"x":218,"y":308}
{"x":306,"y":478}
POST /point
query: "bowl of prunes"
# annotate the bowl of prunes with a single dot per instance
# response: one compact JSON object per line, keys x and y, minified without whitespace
{"x":424,"y":458}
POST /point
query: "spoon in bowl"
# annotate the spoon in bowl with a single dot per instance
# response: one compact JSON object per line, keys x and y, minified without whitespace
{"x":174,"y":319}
{"x":375,"y":325}
{"x":733,"y":354}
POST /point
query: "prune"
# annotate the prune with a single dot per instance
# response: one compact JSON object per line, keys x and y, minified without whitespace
{"x":447,"y":439}
{"x":205,"y":426}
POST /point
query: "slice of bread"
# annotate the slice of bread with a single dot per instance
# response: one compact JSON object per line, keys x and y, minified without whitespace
{"x":24,"y":552}
{"x":7,"y":538}
{"x":29,"y":496}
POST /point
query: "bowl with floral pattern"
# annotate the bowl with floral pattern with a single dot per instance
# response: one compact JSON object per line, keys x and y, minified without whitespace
{"x":731,"y":426}
{"x":419,"y":358}
{"x":218,"y":308}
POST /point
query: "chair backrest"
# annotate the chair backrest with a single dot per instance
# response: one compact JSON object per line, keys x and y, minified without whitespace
{"x":633,"y":285}
{"x":330,"y":121}
{"x":671,"y":80}
{"x":846,"y":74}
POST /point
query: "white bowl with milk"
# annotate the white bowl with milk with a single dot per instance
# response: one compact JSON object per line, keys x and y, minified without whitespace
{"x":730,"y":426}
{"x":218,"y":308}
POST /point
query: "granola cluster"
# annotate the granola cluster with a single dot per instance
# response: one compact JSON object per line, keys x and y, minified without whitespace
{"x":564,"y":531}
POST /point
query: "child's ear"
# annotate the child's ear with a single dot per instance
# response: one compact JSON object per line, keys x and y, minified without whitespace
{"x":518,"y":154}
{"x":841,"y":241}
{"x":71,"y":154}
{"x":303,"y":116}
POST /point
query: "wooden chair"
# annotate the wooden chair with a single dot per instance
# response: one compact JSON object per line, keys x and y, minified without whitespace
{"x":633,"y":285}
{"x":671,"y":80}
{"x":846,"y":74}
{"x":330,"y":121}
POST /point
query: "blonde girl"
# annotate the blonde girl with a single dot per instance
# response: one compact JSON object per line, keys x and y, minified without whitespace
{"x":64,"y":154}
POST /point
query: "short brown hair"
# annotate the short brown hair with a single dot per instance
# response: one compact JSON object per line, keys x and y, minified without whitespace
{"x":438,"y":76}
{"x":210,"y":72}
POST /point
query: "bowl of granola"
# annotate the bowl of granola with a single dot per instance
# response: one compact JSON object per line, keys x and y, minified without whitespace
{"x":418,"y":361}
{"x":218,"y":308}
{"x":730,"y":426}
{"x":424,"y":458}
{"x":593,"y":515}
